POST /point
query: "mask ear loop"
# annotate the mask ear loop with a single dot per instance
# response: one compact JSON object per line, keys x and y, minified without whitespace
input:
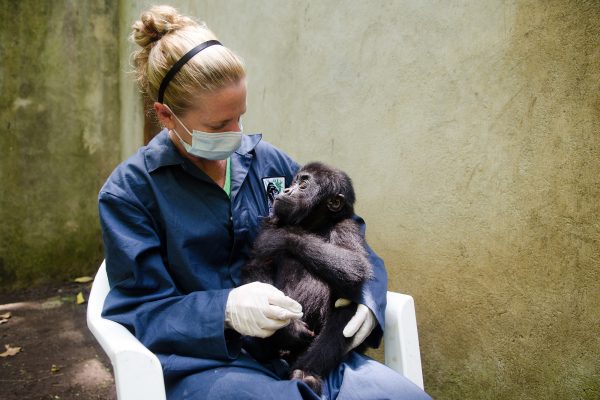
{"x":180,"y":123}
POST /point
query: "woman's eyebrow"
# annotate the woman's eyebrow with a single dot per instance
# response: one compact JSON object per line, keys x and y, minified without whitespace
{"x":220,"y":123}
{"x":226,"y":121}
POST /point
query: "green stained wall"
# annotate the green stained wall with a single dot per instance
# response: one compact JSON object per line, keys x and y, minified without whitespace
{"x":59,"y":115}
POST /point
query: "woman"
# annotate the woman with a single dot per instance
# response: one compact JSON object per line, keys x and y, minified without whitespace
{"x":178,"y":220}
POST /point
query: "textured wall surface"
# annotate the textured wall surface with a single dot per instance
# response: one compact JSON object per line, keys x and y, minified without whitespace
{"x":59,"y":137}
{"x":472,"y":131}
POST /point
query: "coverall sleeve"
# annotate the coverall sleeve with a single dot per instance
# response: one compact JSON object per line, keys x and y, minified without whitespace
{"x":374,"y":291}
{"x":144,"y":298}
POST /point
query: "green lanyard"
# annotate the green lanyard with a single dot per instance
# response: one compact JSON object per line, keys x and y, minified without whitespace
{"x":227,"y":186}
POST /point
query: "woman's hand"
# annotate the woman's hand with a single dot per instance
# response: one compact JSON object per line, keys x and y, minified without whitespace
{"x":259,"y":309}
{"x":360,"y":326}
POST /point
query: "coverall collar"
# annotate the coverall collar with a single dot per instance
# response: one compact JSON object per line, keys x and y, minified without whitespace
{"x":161,"y":151}
{"x":249,"y":142}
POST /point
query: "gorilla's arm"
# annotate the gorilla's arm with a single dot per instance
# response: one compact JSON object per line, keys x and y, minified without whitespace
{"x":342,"y":262}
{"x":260,"y":270}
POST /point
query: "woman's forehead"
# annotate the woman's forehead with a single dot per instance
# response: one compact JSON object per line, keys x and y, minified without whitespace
{"x":221,"y":105}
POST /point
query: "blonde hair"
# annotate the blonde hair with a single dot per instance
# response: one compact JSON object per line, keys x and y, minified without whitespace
{"x":164,"y":37}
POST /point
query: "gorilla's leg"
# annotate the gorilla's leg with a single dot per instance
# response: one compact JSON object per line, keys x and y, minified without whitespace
{"x":326,"y":351}
{"x":286,"y":343}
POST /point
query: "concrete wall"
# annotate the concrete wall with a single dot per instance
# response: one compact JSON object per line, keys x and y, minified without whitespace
{"x":59,"y":136}
{"x":471,"y":130}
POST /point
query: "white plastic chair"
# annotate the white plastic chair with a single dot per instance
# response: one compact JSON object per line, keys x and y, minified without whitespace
{"x":138,"y":373}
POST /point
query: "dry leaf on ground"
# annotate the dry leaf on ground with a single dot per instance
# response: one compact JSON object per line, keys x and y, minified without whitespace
{"x":80,"y":298}
{"x":4,"y":317}
{"x":83,"y":279}
{"x":10,"y":351}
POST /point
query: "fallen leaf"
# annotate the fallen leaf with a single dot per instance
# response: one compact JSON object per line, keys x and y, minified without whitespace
{"x":4,"y":317}
{"x":83,"y":279}
{"x":80,"y":298}
{"x":10,"y":351}
{"x":54,"y":369}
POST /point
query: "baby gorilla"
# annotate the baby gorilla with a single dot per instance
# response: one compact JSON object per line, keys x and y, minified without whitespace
{"x":312,"y":250}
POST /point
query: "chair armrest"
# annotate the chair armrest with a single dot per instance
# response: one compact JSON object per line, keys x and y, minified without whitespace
{"x":138,"y":373}
{"x":401,"y":339}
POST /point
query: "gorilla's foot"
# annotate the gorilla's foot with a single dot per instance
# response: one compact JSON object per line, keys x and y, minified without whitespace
{"x":313,"y":381}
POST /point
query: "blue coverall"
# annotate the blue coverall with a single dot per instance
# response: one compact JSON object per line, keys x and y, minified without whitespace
{"x":175,"y":243}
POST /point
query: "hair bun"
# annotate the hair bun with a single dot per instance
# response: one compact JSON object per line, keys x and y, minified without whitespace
{"x":157,"y":22}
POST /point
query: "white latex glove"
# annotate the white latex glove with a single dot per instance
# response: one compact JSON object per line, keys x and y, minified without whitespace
{"x":259,"y":309}
{"x":360,"y":326}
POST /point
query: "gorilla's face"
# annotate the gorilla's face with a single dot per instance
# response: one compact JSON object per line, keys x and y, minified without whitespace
{"x":318,"y":195}
{"x":297,"y":201}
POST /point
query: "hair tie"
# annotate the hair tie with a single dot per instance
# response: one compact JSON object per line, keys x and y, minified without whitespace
{"x":180,"y":63}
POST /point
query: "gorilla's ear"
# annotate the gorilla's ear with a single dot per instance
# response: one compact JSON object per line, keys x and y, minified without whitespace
{"x":336,"y":203}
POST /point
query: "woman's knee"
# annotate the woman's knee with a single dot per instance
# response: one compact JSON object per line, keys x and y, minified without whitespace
{"x":365,"y":378}
{"x":236,"y":383}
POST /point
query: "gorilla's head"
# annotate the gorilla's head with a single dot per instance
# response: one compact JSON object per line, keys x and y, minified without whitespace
{"x":319,"y":196}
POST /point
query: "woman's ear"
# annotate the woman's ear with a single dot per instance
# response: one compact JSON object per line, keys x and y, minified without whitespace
{"x":165,"y":115}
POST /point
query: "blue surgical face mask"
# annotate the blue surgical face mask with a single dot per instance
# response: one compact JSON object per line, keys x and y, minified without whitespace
{"x":211,"y":146}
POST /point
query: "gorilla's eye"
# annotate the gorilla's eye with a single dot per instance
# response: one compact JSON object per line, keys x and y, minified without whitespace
{"x":303,"y":184}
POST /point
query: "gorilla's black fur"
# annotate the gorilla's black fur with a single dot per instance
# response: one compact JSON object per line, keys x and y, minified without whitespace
{"x":312,"y":250}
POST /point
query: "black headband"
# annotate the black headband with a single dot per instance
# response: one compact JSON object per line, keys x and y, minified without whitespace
{"x":177,"y":66}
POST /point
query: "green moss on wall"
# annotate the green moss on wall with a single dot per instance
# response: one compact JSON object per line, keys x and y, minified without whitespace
{"x":59,"y":112}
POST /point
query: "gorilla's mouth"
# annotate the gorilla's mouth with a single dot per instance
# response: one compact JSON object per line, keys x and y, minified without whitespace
{"x":281,"y":199}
